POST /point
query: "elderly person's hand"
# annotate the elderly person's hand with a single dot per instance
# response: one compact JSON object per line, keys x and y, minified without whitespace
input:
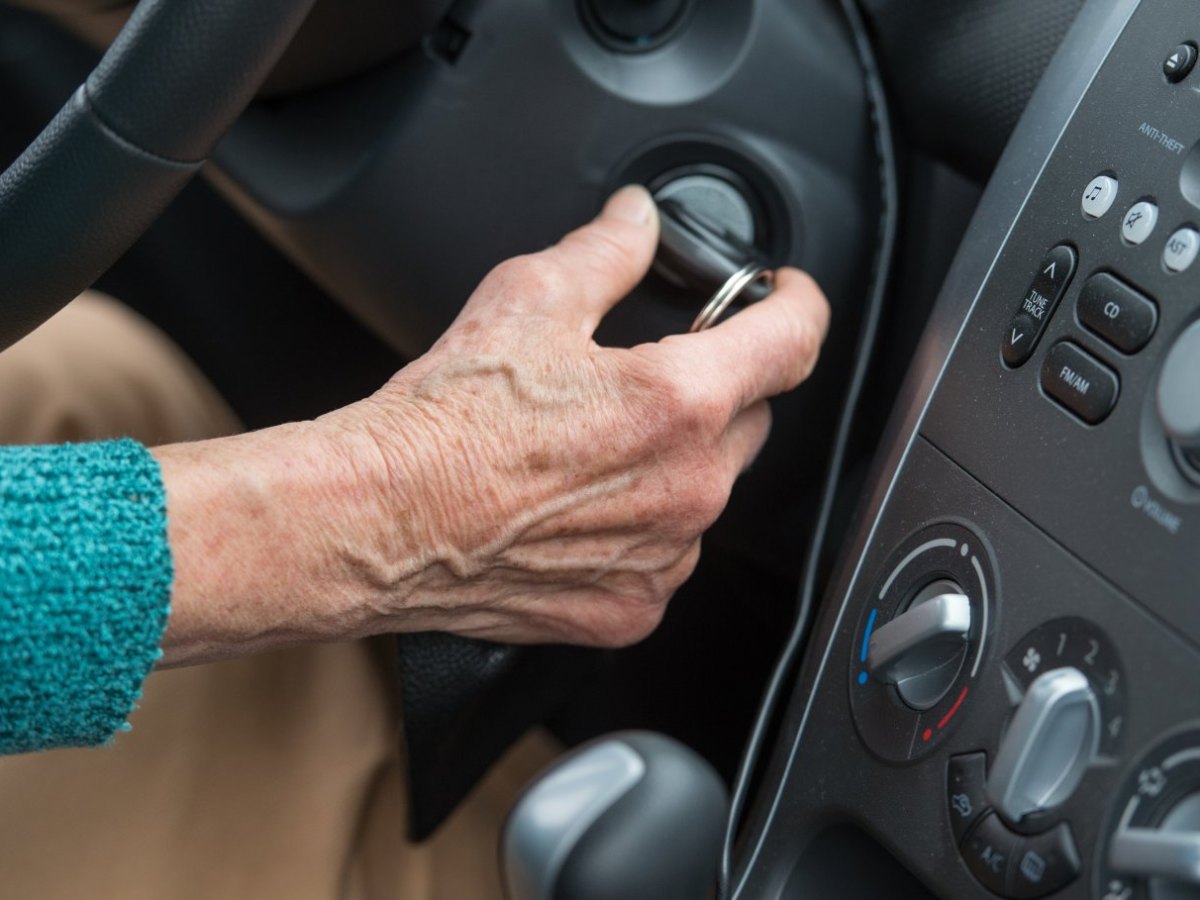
{"x":518,"y":482}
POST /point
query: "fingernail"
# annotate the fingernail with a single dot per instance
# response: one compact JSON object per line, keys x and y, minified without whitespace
{"x":631,"y":203}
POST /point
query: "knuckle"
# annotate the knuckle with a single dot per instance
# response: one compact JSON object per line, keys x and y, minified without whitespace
{"x":805,"y":336}
{"x":700,"y":499}
{"x":690,"y":409}
{"x":638,"y":623}
{"x":808,"y":347}
{"x":626,"y":619}
{"x":525,"y":278}
{"x":602,"y":247}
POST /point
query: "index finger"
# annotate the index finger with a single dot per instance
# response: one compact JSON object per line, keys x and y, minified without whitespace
{"x":766,"y":349}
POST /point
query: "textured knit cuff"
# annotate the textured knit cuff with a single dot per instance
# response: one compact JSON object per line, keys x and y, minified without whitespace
{"x":85,"y":580}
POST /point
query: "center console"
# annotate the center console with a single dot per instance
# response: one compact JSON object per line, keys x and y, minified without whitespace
{"x":1002,"y":694}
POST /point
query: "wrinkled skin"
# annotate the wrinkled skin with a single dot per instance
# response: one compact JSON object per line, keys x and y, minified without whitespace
{"x":518,"y":482}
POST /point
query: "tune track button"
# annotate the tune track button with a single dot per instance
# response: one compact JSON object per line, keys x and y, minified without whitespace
{"x":1098,"y":196}
{"x":1023,"y":332}
{"x":965,"y":779}
{"x":1050,"y":281}
{"x":1043,"y":864}
{"x":1116,"y":312}
{"x":1139,"y":222}
{"x":1080,"y":382}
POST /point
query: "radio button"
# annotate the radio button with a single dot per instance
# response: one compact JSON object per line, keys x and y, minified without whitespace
{"x":1080,"y":382}
{"x":1037,"y":305}
{"x":1181,"y":249}
{"x":1139,"y":222}
{"x":1116,"y":312}
{"x":1098,"y":196}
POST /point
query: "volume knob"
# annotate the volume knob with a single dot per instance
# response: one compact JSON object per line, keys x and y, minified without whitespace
{"x":1179,"y":397}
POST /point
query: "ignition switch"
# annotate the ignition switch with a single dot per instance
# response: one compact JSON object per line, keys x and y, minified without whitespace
{"x":697,"y":251}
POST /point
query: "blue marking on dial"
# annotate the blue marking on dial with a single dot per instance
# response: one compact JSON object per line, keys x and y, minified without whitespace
{"x":867,"y":637}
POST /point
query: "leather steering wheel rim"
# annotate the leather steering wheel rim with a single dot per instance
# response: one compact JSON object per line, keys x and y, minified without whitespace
{"x":127,"y":142}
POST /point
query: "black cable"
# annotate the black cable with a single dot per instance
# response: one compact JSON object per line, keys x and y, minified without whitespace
{"x":864,"y":350}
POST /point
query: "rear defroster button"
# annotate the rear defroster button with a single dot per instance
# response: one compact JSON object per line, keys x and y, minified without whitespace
{"x":1080,"y":382}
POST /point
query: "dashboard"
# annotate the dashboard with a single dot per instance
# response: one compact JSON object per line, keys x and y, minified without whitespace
{"x":1000,"y":698}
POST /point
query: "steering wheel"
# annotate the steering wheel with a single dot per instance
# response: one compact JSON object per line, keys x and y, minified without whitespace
{"x":127,"y":142}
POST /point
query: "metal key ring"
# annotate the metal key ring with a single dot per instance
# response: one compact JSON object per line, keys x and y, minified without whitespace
{"x":727,"y":293}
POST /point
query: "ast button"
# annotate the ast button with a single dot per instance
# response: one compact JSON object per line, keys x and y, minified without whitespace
{"x":1043,"y":864}
{"x":1181,"y":249}
{"x":965,"y":777}
{"x":1080,"y":382}
{"x":1116,"y":312}
{"x":989,"y":850}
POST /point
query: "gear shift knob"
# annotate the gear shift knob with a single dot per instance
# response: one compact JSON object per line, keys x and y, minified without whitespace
{"x":632,"y":816}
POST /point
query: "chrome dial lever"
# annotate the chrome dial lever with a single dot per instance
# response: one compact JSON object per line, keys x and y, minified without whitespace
{"x":1153,"y":853}
{"x":921,"y":650}
{"x":1168,"y":855}
{"x":1053,"y":738}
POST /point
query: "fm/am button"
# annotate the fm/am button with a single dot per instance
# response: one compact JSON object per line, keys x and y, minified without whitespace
{"x":1080,"y":382}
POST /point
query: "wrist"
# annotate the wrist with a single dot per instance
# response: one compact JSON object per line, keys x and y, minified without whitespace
{"x":273,"y":538}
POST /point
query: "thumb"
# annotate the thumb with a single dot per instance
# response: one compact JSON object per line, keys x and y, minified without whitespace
{"x":605,"y":259}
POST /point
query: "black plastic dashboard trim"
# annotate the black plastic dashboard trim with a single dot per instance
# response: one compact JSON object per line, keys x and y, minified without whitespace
{"x":1067,"y":80}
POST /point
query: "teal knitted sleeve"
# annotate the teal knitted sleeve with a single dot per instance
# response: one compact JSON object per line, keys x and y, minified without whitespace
{"x":85,"y":579}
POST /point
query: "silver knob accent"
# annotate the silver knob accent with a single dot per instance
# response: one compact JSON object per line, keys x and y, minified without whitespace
{"x":1178,"y":397}
{"x":921,"y":650}
{"x":634,"y":816}
{"x":1053,"y":738}
{"x":1179,"y":402}
{"x":1169,"y":853}
{"x":557,"y":809}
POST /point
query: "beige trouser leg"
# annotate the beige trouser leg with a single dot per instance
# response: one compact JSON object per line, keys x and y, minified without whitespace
{"x":277,"y":776}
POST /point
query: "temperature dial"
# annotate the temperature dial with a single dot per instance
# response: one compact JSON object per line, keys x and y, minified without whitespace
{"x":917,"y":648}
{"x":921,"y":651}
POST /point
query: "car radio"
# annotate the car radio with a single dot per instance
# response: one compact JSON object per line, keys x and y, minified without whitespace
{"x":1002,"y":697}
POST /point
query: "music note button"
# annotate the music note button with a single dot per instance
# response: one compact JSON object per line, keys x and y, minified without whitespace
{"x":1098,"y":196}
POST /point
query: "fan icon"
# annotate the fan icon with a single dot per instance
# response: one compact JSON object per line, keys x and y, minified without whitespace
{"x":1032,"y":659}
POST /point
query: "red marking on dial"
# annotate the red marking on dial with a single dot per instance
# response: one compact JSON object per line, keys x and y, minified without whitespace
{"x":950,"y":715}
